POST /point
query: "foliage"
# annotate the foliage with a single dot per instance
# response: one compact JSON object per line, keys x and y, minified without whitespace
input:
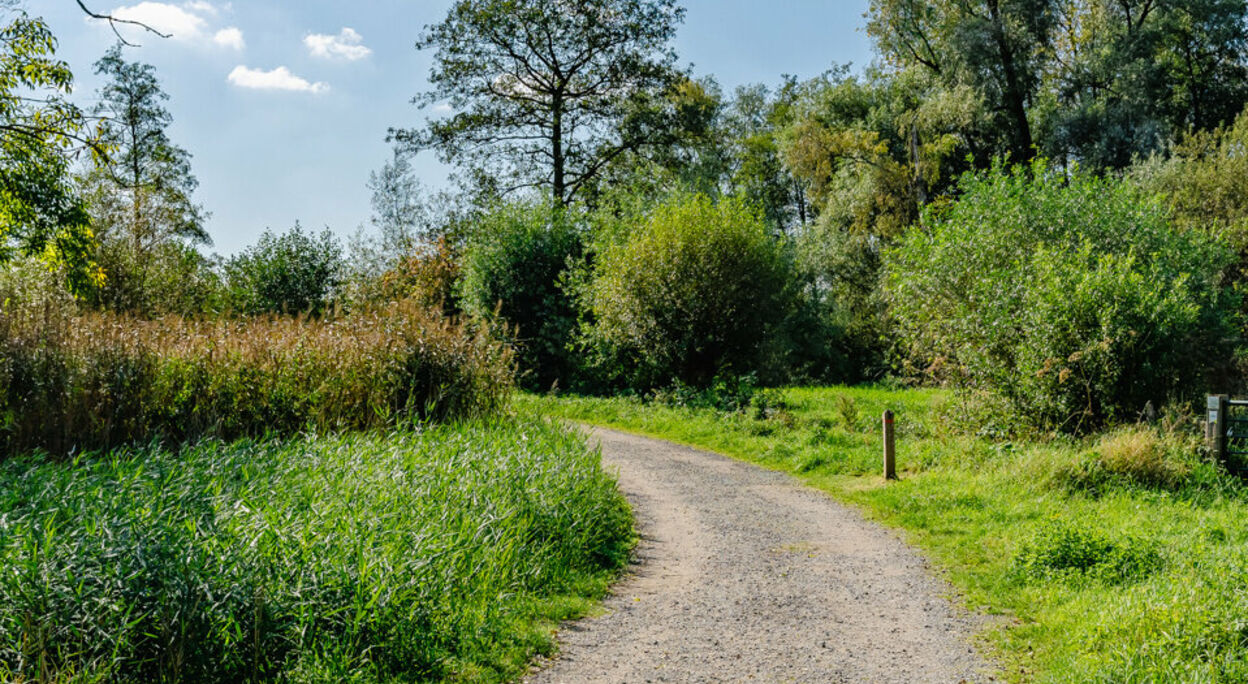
{"x":696,"y":291}
{"x":1095,"y":81}
{"x":546,"y":92}
{"x":754,"y":123}
{"x":71,"y":383}
{"x":40,"y":133}
{"x":873,"y":149}
{"x":1128,"y":77}
{"x":398,"y":211}
{"x":428,"y":275}
{"x":170,"y":278}
{"x":294,"y":272}
{"x":994,"y":48}
{"x":512,"y":269}
{"x":1072,"y":297}
{"x":139,"y":198}
{"x":404,"y":556}
{"x":843,"y":272}
{"x":1204,"y":183}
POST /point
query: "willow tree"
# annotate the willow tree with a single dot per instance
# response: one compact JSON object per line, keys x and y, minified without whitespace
{"x":546,"y":93}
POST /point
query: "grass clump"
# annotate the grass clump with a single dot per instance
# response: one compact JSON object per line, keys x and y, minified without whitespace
{"x":1062,"y":549}
{"x":367,"y":557}
{"x":81,"y":382}
{"x":1136,"y":456}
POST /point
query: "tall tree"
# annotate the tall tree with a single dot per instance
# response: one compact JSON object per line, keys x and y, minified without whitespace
{"x":142,"y":191}
{"x":546,"y":93}
{"x":997,"y":48}
{"x":398,"y":212}
{"x":754,"y":121}
{"x":139,"y":197}
{"x":1129,"y":76}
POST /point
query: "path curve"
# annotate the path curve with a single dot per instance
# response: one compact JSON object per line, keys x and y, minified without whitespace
{"x":743,"y":574}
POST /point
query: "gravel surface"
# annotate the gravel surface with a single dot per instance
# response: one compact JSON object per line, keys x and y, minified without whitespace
{"x":743,"y":574}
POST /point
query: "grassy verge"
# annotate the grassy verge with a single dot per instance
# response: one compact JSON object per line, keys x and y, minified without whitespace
{"x":1114,"y":560}
{"x":401,"y":556}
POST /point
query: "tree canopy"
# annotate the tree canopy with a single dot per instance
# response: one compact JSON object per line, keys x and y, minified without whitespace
{"x":41,"y":132}
{"x":546,"y":93}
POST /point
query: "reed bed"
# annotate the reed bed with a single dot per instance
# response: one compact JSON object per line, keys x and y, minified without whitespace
{"x":73,"y":382}
{"x":407,"y":555}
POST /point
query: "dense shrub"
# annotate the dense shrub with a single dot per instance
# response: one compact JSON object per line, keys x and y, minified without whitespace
{"x":843,"y":297}
{"x":294,"y":272}
{"x":698,"y":291}
{"x":512,"y":267}
{"x":428,"y":273}
{"x":408,"y":556}
{"x":1071,"y":297}
{"x":72,"y":382}
{"x":168,"y":278}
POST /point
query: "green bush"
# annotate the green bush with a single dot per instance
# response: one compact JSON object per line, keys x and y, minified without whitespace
{"x":1072,"y":297}
{"x":844,"y":298}
{"x":696,"y":292}
{"x":167,"y":279}
{"x":290,"y":273}
{"x":370,"y":557}
{"x":70,"y":382}
{"x":512,"y":269}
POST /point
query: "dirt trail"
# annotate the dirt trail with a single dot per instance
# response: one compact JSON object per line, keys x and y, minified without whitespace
{"x":743,"y":574}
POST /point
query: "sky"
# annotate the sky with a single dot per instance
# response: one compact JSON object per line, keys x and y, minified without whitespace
{"x":284,"y":105}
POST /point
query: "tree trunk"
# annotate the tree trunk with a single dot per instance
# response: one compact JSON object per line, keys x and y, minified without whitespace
{"x":556,"y":149}
{"x":1016,"y":99}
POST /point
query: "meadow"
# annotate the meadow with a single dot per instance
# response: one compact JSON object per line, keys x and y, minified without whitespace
{"x":1122,"y":557}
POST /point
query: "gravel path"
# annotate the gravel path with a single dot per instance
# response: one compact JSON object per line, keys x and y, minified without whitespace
{"x":743,"y":574}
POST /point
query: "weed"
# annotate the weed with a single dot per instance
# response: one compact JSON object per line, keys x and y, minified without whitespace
{"x":1062,"y":550}
{"x":847,"y":410}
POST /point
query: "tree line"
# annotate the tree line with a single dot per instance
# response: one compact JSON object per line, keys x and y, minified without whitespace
{"x":629,"y":224}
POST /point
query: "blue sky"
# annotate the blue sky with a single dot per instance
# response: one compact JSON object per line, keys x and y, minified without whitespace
{"x":285,"y":105}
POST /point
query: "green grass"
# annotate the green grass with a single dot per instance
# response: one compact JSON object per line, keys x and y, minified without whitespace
{"x":443,"y":554}
{"x":1094,"y":571}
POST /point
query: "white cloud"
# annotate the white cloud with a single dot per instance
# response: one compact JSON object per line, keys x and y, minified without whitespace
{"x":274,"y":79}
{"x":347,"y":45}
{"x":201,"y":7}
{"x":190,"y":22}
{"x":181,"y":24}
{"x":231,"y":37}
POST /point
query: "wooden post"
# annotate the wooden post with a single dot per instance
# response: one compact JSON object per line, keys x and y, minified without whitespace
{"x":890,"y":457}
{"x":1215,"y":428}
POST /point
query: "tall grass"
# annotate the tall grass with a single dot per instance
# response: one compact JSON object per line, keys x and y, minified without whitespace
{"x":94,"y":381}
{"x":363,"y":557}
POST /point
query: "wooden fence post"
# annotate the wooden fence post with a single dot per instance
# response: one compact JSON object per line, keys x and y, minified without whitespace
{"x":890,"y":457}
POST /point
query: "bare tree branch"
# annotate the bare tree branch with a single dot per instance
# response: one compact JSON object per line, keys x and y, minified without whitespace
{"x":113,"y":21}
